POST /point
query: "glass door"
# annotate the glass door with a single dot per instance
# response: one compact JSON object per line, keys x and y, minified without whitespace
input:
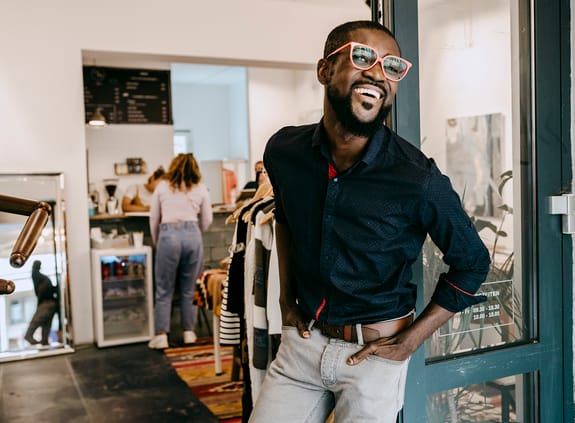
{"x":487,"y":81}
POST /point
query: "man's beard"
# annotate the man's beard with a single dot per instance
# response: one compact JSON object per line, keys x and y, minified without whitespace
{"x":341,"y":105}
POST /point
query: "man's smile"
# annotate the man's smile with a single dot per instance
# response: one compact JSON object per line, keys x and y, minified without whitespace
{"x":369,"y":92}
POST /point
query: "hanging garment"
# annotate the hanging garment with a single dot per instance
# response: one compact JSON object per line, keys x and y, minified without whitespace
{"x":233,"y":287}
{"x":257,"y":259}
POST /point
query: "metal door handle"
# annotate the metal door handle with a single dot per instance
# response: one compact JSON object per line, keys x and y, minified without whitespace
{"x":564,"y":205}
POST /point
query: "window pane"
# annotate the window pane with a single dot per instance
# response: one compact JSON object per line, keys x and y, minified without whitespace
{"x":499,"y":400}
{"x":471,"y":103}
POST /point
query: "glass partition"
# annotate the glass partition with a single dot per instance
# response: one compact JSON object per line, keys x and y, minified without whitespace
{"x":474,"y":111}
{"x":23,"y":316}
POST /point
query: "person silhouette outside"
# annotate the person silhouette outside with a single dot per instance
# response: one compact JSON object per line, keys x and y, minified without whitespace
{"x":47,"y":295}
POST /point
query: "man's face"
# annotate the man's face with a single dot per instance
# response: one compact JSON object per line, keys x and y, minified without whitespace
{"x":360,"y":99}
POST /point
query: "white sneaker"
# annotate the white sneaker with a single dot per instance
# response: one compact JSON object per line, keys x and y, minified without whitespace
{"x":159,"y":342}
{"x":190,"y":337}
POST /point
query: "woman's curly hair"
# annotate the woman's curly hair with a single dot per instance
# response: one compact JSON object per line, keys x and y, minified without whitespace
{"x":183,"y":172}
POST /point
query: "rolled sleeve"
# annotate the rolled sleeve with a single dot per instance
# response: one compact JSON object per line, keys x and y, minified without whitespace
{"x":448,"y":295}
{"x":453,"y":232}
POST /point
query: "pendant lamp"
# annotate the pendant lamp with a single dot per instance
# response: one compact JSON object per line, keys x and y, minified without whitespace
{"x":98,"y":118}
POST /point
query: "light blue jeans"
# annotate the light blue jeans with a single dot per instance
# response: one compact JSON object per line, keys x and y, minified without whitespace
{"x":179,"y":259}
{"x":309,"y":377}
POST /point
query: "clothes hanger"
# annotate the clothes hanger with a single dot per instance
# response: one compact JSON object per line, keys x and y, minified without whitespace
{"x":269,"y":216}
{"x":264,"y":190}
{"x":267,"y":195}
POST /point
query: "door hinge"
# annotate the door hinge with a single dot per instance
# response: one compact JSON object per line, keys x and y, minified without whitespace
{"x":564,"y":205}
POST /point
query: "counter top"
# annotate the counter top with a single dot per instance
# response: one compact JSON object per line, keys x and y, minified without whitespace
{"x":223,"y":209}
{"x":105,"y":216}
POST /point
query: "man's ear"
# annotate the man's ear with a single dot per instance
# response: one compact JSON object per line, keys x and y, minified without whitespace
{"x":323,"y":71}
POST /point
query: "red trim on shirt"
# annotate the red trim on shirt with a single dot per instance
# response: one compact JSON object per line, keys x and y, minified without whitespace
{"x":458,"y":288}
{"x":319,"y":309}
{"x":331,"y":171}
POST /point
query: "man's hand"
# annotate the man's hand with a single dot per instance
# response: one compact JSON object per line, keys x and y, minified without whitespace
{"x":292,"y":317}
{"x":400,"y":346}
{"x":395,"y":348}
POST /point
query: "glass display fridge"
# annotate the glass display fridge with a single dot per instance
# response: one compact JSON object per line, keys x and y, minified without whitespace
{"x":123,"y":302}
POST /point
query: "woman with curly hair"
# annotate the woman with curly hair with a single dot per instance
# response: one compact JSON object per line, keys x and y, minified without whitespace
{"x":179,"y":212}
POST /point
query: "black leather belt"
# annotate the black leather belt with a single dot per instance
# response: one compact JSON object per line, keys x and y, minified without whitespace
{"x":370,"y":331}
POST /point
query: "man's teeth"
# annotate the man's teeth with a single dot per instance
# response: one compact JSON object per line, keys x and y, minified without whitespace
{"x":366,"y":91}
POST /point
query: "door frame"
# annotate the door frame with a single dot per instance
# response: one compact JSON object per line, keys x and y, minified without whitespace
{"x":549,"y":357}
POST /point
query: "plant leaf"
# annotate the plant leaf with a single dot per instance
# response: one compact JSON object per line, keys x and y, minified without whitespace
{"x":482,"y":224}
{"x":504,"y":178}
{"x":506,"y":208}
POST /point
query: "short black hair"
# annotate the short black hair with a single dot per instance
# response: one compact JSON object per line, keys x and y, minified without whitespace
{"x":341,"y":34}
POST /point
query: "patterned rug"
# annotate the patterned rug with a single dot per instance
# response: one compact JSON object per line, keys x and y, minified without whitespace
{"x":195,"y":366}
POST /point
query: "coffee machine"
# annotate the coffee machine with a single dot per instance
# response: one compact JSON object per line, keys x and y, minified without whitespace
{"x":112,"y":203}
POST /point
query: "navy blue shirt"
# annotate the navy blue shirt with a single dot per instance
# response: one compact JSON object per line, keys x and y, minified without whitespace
{"x":356,"y":234}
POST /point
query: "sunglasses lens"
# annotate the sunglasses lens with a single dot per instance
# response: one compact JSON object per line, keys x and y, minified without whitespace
{"x":363,"y":57}
{"x":394,"y":67}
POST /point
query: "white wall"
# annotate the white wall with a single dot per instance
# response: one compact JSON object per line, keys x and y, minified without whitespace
{"x":41,"y":101}
{"x":206,"y":110}
{"x":238,"y":131}
{"x":278,"y":98}
{"x":210,"y":102}
{"x":115,"y":143}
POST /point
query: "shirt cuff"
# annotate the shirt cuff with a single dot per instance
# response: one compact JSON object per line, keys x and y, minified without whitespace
{"x":453,"y":298}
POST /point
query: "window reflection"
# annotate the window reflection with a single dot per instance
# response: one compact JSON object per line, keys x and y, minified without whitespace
{"x":493,"y":401}
{"x":18,"y":310}
{"x":468,"y":84}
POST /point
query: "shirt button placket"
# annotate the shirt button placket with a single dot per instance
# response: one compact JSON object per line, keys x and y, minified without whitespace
{"x":328,"y":222}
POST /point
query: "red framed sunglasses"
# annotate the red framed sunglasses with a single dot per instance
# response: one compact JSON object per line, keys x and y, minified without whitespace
{"x":364,"y":57}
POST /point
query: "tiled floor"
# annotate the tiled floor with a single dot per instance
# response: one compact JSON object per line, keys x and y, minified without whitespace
{"x":129,"y":383}
{"x":118,"y":384}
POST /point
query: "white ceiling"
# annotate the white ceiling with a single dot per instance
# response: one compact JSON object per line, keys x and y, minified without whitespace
{"x":336,"y":3}
{"x":189,"y":73}
{"x":226,"y":75}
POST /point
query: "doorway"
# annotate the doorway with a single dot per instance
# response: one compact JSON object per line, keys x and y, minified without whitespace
{"x":223,"y":111}
{"x":485,"y":101}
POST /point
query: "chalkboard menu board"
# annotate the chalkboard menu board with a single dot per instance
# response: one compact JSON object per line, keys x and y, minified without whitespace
{"x":128,"y":95}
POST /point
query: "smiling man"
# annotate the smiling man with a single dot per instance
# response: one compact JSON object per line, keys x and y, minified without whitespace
{"x":354,"y":204}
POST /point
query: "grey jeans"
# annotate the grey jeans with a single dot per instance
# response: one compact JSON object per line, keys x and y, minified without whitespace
{"x":310,"y":377}
{"x":179,"y":258}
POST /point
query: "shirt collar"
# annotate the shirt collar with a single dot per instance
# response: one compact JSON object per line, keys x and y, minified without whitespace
{"x":379,"y":139}
{"x":319,"y":136}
